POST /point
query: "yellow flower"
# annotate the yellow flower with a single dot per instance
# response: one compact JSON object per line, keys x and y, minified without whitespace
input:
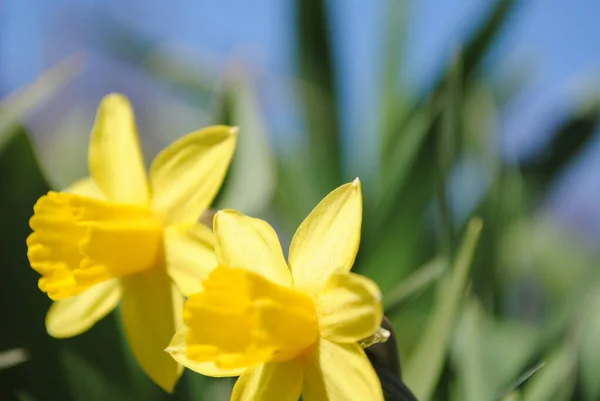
{"x":122,"y":237}
{"x":287,"y":331}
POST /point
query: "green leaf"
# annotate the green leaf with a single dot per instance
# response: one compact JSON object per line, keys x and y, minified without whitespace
{"x":589,"y":359}
{"x":480,"y":43}
{"x":473,"y":380}
{"x":556,"y":380}
{"x":426,"y":362}
{"x":514,"y":396}
{"x":487,"y":353}
{"x":512,"y":388}
{"x":295,"y":195}
{"x":569,"y":139}
{"x":159,"y":61}
{"x":447,"y":144}
{"x":401,"y":162}
{"x":24,"y":305}
{"x":318,"y":92}
{"x":25,"y":100}
{"x":251,"y":180}
{"x":392,"y":103}
{"x":414,"y":284}
{"x":24,"y":396}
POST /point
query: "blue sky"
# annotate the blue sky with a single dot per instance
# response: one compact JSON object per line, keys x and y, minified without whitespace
{"x":558,"y":39}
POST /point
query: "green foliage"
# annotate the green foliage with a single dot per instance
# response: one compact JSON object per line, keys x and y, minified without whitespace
{"x":427,"y":361}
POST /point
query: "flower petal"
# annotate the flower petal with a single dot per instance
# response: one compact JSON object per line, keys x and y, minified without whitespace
{"x":86,"y":187}
{"x":349,"y":308}
{"x":190,"y":256}
{"x":72,"y":316}
{"x":281,"y":381}
{"x":340,"y":372}
{"x":327,"y":240}
{"x":186,"y":176}
{"x":151,"y":312}
{"x":242,"y":319}
{"x":115,"y":159}
{"x":177,"y":349}
{"x":252,"y":244}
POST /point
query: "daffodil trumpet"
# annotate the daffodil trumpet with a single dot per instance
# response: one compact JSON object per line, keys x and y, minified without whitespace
{"x":130,"y":238}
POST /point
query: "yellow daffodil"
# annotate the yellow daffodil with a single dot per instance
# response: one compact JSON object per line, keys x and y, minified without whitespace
{"x":122,"y":237}
{"x":288,"y":331}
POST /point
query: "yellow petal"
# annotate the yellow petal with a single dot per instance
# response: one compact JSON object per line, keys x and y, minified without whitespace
{"x":151,"y":312}
{"x":281,"y":381}
{"x":115,"y":159}
{"x":78,"y":242}
{"x":340,"y":372}
{"x":327,"y":240}
{"x":242,"y":319}
{"x":190,"y":254}
{"x":186,"y":176}
{"x":53,"y":246}
{"x":86,"y":187}
{"x":177,"y":349}
{"x":349,"y":308}
{"x":72,"y":316}
{"x":250,"y":244}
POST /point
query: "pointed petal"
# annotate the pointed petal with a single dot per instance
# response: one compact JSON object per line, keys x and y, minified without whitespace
{"x":281,"y":381}
{"x":190,"y":256}
{"x":252,"y":244}
{"x":349,"y":308}
{"x":115,"y":159}
{"x":340,"y":372}
{"x":177,"y":349}
{"x":72,"y":316}
{"x":151,"y":312}
{"x":327,"y":240}
{"x":186,"y":176}
{"x":86,"y":187}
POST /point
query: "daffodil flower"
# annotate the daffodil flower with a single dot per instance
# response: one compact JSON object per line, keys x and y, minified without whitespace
{"x":288,"y":331}
{"x":121,"y":237}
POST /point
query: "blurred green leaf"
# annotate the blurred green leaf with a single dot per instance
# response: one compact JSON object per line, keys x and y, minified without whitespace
{"x":23,"y":396}
{"x":512,"y":388}
{"x":414,"y":284}
{"x":25,"y":100}
{"x":318,"y":91}
{"x":426,"y":363}
{"x":589,"y":359}
{"x":478,"y":46}
{"x":487,"y":354}
{"x":402,"y":161}
{"x":447,"y":149}
{"x":555,"y":381}
{"x":567,"y":142}
{"x":474,"y":51}
{"x":508,"y":348}
{"x":251,"y":180}
{"x":134,"y":47}
{"x":295,"y":195}
{"x":393,"y":102}
{"x":24,"y":305}
{"x":474,"y":381}
{"x":514,"y":396}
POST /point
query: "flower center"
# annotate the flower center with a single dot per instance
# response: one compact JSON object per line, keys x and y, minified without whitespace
{"x":78,"y":242}
{"x":242,"y":319}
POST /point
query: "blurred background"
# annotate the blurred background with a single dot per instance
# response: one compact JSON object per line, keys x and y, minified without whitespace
{"x":446,"y":110}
